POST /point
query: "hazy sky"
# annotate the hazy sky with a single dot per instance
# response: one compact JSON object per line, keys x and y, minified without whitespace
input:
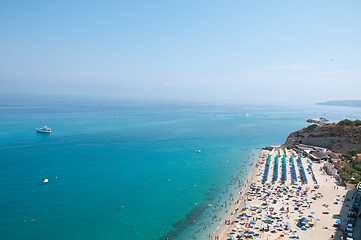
{"x":254,"y":51}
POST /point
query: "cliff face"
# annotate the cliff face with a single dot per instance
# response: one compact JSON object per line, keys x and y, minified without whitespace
{"x":334,"y":137}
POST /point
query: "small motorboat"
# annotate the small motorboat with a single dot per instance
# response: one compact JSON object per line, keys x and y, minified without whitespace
{"x":44,"y":129}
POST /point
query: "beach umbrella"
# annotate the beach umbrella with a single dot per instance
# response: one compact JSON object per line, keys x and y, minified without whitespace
{"x":303,"y":221}
{"x":253,"y":223}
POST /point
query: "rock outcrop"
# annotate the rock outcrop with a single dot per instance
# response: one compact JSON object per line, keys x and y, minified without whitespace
{"x":332,"y":136}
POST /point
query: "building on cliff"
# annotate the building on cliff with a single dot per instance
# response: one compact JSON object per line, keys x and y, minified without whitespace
{"x":330,"y":169}
{"x":333,"y":157}
{"x":318,"y":156}
{"x":303,"y":148}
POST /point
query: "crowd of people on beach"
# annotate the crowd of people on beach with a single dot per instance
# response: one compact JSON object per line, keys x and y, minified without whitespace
{"x":271,"y":209}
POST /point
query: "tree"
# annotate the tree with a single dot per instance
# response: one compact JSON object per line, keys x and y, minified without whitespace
{"x":347,"y":156}
{"x":352,"y":152}
{"x":358,"y":167}
{"x":344,"y":176}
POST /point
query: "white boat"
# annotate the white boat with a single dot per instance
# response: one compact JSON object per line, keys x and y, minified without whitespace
{"x":44,"y":129}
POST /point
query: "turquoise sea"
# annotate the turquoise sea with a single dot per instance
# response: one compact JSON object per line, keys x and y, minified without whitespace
{"x":125,"y":169}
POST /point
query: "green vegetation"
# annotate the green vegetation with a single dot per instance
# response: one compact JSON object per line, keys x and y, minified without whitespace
{"x":349,"y":155}
{"x":350,"y":123}
{"x":350,"y":166}
{"x":311,"y":127}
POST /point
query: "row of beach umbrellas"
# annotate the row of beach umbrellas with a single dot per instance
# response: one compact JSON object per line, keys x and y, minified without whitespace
{"x":294,"y":175}
{"x":303,"y":174}
{"x":265,"y":177}
{"x":275,"y":176}
{"x":284,"y":169}
{"x":311,"y":172}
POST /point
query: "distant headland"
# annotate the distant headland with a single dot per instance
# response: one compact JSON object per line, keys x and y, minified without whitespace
{"x":344,"y":103}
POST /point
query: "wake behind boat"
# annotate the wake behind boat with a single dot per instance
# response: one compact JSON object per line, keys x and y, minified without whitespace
{"x":44,"y":129}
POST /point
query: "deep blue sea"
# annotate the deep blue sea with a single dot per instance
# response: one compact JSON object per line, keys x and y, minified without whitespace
{"x":125,"y":169}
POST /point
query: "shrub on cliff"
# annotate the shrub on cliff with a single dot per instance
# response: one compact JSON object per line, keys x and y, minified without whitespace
{"x":350,"y":123}
{"x":311,"y":127}
{"x":344,"y":176}
{"x":352,"y":152}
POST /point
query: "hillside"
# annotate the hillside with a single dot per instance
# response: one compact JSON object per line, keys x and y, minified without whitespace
{"x":344,"y":103}
{"x":336,"y":137}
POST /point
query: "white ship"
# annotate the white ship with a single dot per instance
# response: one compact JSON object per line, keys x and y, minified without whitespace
{"x":44,"y":129}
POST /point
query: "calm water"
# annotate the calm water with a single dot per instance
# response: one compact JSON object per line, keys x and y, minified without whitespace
{"x":131,"y":175}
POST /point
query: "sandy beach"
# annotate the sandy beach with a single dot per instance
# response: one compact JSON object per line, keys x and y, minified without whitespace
{"x":287,"y":204}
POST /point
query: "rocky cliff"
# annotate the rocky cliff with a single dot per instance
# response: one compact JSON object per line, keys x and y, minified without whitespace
{"x":332,"y":136}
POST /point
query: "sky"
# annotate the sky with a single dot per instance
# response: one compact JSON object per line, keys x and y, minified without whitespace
{"x":239,"y":51}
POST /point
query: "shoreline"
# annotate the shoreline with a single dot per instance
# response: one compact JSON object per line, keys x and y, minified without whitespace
{"x":254,"y":171}
{"x":215,"y":204}
{"x":276,"y":207}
